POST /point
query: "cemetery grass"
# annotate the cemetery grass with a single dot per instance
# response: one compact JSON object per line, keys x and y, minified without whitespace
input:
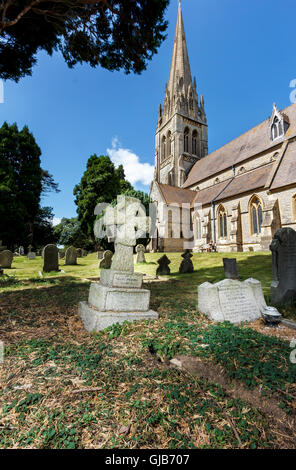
{"x":62,"y":387}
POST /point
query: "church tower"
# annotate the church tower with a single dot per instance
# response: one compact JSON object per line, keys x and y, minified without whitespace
{"x":182,"y":133}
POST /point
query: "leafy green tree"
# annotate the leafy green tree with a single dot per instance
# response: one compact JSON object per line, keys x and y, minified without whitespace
{"x":22,"y":181}
{"x":100,"y":183}
{"x":116,"y":34}
{"x":68,"y":232}
{"x":43,"y":228}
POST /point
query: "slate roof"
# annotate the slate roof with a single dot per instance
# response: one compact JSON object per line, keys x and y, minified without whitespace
{"x":286,"y":173}
{"x":240,"y":149}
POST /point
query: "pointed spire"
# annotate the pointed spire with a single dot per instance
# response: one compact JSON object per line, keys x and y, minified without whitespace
{"x":180,"y":72}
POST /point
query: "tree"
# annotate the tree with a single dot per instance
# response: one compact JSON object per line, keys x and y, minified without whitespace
{"x":100,"y":183}
{"x":68,"y":232}
{"x":43,"y":229}
{"x":116,"y":34}
{"x":22,"y":181}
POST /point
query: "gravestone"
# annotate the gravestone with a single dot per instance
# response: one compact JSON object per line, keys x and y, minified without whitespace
{"x":71,"y":256}
{"x":283,"y":248}
{"x":119,"y":296}
{"x":107,"y":260}
{"x":100,"y":254}
{"x":232,"y":300}
{"x":140,"y":250}
{"x":186,"y":266}
{"x":61,"y":254}
{"x":230,"y":268}
{"x":31,"y":255}
{"x":50,"y":259}
{"x":6,"y":258}
{"x":79,"y":252}
{"x":163,"y":268}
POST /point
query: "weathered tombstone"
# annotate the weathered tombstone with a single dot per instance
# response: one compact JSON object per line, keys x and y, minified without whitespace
{"x":50,"y":259}
{"x":119,"y":296}
{"x":61,"y":254}
{"x":283,"y":248}
{"x":31,"y":255}
{"x":230,"y":268}
{"x":163,"y":268}
{"x":105,"y":263}
{"x":232,"y":300}
{"x":79,"y":252}
{"x":140,"y":249}
{"x":42,"y":253}
{"x":71,"y":256}
{"x":186,"y":266}
{"x":6,"y":258}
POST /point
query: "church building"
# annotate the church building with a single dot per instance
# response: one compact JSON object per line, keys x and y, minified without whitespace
{"x":236,"y":197}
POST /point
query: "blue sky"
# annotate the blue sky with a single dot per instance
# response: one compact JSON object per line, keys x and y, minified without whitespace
{"x":242,"y":52}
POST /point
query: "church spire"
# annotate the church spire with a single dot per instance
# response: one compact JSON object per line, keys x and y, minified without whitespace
{"x":181,"y":92}
{"x":180,"y":66}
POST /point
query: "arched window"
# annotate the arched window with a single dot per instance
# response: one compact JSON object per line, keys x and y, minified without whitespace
{"x":222,"y":222}
{"x":277,"y":128}
{"x":186,"y":140}
{"x":163,"y":148}
{"x":256,"y":215}
{"x":198,"y":228}
{"x":194,"y":143}
{"x":169,"y":144}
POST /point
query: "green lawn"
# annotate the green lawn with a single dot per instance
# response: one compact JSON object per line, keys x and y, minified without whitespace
{"x":62,"y":387}
{"x":208,"y":267}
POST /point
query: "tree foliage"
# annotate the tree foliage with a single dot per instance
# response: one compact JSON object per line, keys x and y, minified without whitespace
{"x":116,"y":34}
{"x":68,"y":232}
{"x":22,"y":181}
{"x":101,"y":182}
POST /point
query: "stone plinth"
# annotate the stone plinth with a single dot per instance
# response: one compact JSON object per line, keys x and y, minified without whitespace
{"x":118,"y":299}
{"x":94,"y":320}
{"x":231,"y":300}
{"x":112,"y":278}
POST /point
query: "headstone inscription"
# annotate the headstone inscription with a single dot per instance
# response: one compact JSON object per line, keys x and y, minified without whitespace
{"x":163,"y":268}
{"x":186,"y":265}
{"x":283,"y":248}
{"x":119,"y":296}
{"x":71,"y":256}
{"x":232,"y":300}
{"x":6,"y":258}
{"x":50,"y":258}
{"x":105,"y":263}
{"x":140,"y":250}
{"x":230,"y":268}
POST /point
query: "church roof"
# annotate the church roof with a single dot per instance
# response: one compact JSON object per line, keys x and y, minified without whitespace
{"x":250,"y":144}
{"x":180,"y":65}
{"x":172,"y":194}
{"x":286,"y":173}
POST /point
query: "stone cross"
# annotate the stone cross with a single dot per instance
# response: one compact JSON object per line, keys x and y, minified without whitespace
{"x":283,"y":248}
{"x":186,"y":265}
{"x":163,"y":268}
{"x":127,"y":222}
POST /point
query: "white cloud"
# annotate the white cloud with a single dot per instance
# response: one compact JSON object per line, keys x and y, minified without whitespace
{"x":135,"y":171}
{"x":56,"y":221}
